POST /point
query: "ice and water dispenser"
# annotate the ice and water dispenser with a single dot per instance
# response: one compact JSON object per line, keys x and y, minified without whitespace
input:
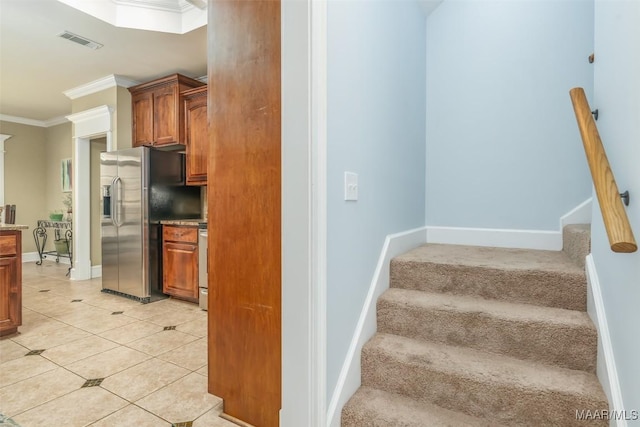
{"x":106,"y":201}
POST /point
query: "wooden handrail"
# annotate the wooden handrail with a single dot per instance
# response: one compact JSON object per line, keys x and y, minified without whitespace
{"x":613,"y":213}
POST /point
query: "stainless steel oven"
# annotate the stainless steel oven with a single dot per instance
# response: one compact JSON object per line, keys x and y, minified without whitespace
{"x":203,"y":267}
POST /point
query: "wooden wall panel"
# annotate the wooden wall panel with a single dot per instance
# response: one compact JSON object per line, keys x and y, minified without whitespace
{"x":244,"y":208}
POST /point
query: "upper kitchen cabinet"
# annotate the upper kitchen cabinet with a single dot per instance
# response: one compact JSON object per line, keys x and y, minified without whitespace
{"x":158,"y":119}
{"x":196,"y":135}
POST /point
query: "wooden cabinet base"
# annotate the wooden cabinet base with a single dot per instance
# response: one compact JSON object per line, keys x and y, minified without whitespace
{"x":10,"y":281}
{"x":180,"y":262}
{"x":8,"y":331}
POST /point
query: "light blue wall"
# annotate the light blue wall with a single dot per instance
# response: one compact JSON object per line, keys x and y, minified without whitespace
{"x":617,"y":96}
{"x":376,"y":128}
{"x":502,"y":145}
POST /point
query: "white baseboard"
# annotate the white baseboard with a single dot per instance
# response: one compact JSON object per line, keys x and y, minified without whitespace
{"x":498,"y":238}
{"x":96,"y":271}
{"x":606,"y":366}
{"x":30,"y":257}
{"x":350,"y":375}
{"x":33,"y":257}
{"x":550,"y":240}
{"x":581,"y":214}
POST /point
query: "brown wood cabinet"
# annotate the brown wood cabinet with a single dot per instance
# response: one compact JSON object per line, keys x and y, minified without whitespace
{"x":157,"y":116}
{"x":180,"y":261}
{"x":10,"y":281}
{"x":196,"y":130}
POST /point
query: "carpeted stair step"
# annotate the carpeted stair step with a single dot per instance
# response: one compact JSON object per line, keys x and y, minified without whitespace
{"x":523,"y":331}
{"x":370,"y":407}
{"x":546,"y":278}
{"x":576,"y":242}
{"x":480,"y":384}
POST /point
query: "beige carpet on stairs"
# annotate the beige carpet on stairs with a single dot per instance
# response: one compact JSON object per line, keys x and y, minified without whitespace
{"x":475,"y":336}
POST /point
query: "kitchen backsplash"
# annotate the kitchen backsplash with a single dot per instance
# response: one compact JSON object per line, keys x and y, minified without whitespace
{"x":203,"y":199}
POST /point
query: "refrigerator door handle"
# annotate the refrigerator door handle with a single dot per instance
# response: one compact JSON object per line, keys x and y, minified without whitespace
{"x":112,"y":208}
{"x":115,"y":202}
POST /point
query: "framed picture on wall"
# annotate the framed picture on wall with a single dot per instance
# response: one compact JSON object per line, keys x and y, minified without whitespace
{"x":67,"y":184}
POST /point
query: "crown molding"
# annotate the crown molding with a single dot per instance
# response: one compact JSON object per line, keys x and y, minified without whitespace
{"x":78,"y":92}
{"x":99,"y":85}
{"x":55,"y":121}
{"x":165,"y":5}
{"x":23,"y":120}
{"x":32,"y":122}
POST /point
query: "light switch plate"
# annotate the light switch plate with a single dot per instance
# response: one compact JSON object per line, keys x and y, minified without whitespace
{"x":350,"y":186}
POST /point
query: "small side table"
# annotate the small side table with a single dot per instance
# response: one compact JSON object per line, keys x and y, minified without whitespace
{"x":62,"y":240}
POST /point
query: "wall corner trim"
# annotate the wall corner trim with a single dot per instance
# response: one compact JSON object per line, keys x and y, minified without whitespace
{"x":350,"y":374}
{"x":581,"y":214}
{"x":606,"y":363}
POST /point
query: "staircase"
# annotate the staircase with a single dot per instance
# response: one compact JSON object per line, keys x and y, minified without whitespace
{"x":476,"y":336}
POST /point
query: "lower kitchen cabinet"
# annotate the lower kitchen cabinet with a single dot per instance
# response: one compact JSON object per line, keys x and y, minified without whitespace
{"x":10,"y":281}
{"x":180,"y":262}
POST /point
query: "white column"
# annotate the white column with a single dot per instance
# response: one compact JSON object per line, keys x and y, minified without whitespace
{"x":3,"y":138}
{"x":87,"y":124}
{"x":304,"y":394}
{"x":81,"y":210}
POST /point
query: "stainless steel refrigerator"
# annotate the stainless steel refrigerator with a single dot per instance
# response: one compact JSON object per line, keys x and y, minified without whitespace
{"x":140,"y":186}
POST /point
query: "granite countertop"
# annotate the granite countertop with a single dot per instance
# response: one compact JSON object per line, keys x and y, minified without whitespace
{"x":13,"y":227}
{"x":194,"y":222}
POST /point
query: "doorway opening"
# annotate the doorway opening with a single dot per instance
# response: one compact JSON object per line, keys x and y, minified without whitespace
{"x":88,"y":125}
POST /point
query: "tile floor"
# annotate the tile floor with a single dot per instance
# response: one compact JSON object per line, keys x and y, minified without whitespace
{"x":83,"y":357}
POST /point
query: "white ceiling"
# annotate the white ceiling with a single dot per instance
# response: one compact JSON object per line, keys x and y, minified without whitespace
{"x":36,"y":66}
{"x":169,"y":16}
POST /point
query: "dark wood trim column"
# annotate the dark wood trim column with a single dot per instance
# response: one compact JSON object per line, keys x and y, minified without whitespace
{"x":244,"y":193}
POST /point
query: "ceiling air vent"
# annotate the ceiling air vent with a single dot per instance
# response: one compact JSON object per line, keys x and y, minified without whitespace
{"x":80,"y":40}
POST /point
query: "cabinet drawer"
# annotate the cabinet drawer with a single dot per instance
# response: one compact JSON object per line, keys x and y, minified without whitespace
{"x":180,"y":234}
{"x":8,"y":245}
